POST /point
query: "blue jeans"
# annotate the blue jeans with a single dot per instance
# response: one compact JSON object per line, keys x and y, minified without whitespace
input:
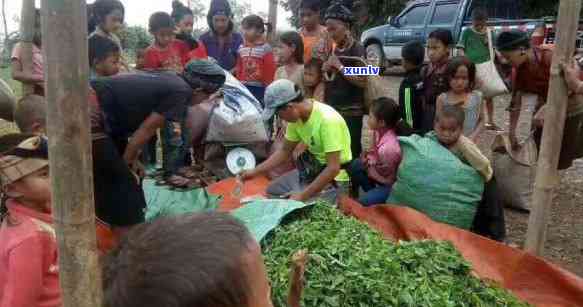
{"x":375,"y":193}
{"x":176,"y":143}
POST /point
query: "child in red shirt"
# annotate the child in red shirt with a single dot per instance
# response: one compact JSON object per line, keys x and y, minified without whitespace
{"x":169,"y":53}
{"x":29,"y":271}
{"x":255,"y":63}
{"x":184,"y":20}
{"x":166,"y":53}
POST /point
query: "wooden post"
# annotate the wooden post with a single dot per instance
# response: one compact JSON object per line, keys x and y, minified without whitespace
{"x":547,"y":177}
{"x":272,"y":19}
{"x":66,"y":74}
{"x":27,"y":23}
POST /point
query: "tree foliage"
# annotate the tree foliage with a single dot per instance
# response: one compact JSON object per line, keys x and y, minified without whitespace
{"x":371,"y":13}
{"x":134,"y":38}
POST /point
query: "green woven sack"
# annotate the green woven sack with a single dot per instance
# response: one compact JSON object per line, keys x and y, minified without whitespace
{"x":434,"y":181}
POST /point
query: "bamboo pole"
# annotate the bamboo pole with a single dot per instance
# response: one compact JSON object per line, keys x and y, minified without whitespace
{"x":66,"y":77}
{"x":27,"y":23}
{"x":547,"y":177}
{"x":272,"y":20}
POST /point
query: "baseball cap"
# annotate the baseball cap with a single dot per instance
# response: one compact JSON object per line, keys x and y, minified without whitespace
{"x":278,"y":94}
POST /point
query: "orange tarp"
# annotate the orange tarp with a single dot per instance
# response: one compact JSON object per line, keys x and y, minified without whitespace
{"x":532,"y":279}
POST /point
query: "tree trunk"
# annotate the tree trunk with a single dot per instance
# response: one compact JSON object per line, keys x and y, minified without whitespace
{"x":66,"y":78}
{"x":272,"y":20}
{"x":547,"y":176}
{"x":26,"y":36}
{"x":4,"y":22}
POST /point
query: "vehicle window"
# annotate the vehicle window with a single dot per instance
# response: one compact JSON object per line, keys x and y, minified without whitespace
{"x":444,"y":13}
{"x":415,"y":16}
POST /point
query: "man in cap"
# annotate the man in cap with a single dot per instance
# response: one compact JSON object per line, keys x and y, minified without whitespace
{"x":318,"y":126}
{"x":345,"y":93}
{"x":134,"y":106}
{"x":532,"y":75}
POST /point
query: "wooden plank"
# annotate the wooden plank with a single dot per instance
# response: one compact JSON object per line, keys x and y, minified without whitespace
{"x":66,"y":78}
{"x":547,"y":177}
{"x":27,"y":23}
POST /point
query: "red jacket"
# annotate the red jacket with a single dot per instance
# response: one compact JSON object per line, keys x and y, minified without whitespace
{"x":256,"y":64}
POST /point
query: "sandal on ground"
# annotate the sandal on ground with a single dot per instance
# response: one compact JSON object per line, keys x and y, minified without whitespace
{"x":187,"y":172}
{"x":493,"y":127}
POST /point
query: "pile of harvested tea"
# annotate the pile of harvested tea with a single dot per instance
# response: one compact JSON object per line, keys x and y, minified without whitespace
{"x":352,"y":265}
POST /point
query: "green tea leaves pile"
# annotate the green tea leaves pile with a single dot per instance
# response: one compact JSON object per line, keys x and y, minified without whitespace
{"x":352,"y":265}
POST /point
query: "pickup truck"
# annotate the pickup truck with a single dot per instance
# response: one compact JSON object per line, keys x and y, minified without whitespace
{"x":419,"y":18}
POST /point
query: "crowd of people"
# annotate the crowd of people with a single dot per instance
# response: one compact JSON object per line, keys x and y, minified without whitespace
{"x":317,"y":116}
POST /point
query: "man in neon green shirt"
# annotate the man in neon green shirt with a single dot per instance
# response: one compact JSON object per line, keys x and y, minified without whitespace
{"x":315,"y":124}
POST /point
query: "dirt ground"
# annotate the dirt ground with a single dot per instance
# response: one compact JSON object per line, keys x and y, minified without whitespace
{"x":564,"y":245}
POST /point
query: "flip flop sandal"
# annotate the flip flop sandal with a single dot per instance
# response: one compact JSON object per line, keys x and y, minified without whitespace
{"x":189,"y":174}
{"x":161,"y":182}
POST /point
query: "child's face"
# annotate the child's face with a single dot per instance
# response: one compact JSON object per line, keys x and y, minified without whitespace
{"x":480,"y":25}
{"x":310,"y":19}
{"x":461,"y":80}
{"x":448,"y":130}
{"x":164,"y":37}
{"x":140,"y":59}
{"x":436,"y":50}
{"x":34,"y":189}
{"x":374,"y":123}
{"x":260,"y":291}
{"x":186,"y":25}
{"x":312,"y":77}
{"x":221,"y":24}
{"x":252,"y":34}
{"x":113,"y":21}
{"x":109,"y":66}
{"x":284,"y":53}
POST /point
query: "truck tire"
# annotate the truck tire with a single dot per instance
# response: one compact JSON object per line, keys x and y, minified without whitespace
{"x":375,"y":56}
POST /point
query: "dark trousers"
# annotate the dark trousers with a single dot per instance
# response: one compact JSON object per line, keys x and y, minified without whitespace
{"x":119,"y":200}
{"x":375,"y":193}
{"x":354,"y":124}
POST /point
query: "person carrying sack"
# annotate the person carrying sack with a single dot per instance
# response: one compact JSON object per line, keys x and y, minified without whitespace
{"x":533,"y":72}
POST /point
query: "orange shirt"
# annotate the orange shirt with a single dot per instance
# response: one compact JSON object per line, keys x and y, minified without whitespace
{"x":317,"y":46}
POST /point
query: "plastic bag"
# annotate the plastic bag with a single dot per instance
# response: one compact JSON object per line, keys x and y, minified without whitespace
{"x":262,"y":216}
{"x":492,"y":84}
{"x":515,"y":171}
{"x":236,"y":118}
{"x":434,"y":181}
{"x":162,"y":201}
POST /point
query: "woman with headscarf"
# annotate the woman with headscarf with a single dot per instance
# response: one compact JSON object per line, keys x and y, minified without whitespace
{"x":345,"y":93}
{"x":133,"y":107}
{"x":532,"y":75}
{"x":221,"y":42}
